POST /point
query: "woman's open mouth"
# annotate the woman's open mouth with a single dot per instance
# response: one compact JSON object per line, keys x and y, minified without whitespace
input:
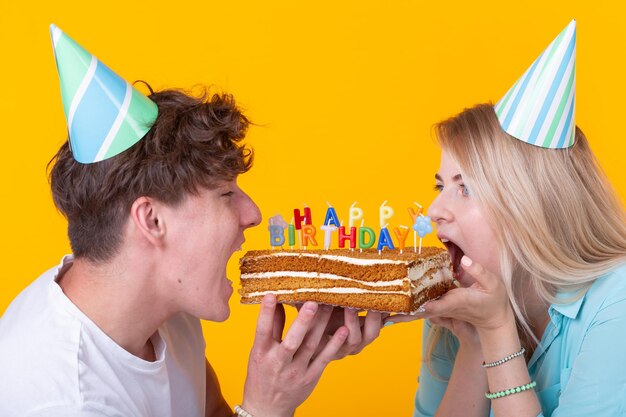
{"x":456,"y":253}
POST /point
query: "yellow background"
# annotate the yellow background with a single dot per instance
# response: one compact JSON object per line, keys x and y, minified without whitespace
{"x":344,"y":94}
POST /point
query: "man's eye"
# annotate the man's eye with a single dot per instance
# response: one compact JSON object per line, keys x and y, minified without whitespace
{"x":227,"y":194}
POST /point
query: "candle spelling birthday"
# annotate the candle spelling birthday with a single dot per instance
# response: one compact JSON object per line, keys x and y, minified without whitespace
{"x":362,"y":237}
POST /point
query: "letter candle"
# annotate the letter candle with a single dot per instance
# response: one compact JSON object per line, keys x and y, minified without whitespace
{"x":330,"y":225}
{"x":384,"y":240}
{"x":401,"y":234}
{"x":328,"y":231}
{"x":331,"y":216}
{"x":356,"y":213}
{"x":308,"y":235}
{"x":414,"y":214}
{"x":277,"y":238}
{"x":291,"y":233}
{"x":277,"y":230}
{"x":343,"y":236}
{"x":386,"y":213}
{"x":367,"y":237}
{"x":306,"y":217}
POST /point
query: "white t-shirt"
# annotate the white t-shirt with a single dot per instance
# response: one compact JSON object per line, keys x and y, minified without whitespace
{"x":55,"y":362}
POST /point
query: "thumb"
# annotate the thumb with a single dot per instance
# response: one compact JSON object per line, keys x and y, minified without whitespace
{"x":402,"y":318}
{"x":441,"y":321}
{"x":483,"y":277}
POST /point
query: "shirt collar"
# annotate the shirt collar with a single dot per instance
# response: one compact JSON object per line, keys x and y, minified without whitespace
{"x":568,"y":303}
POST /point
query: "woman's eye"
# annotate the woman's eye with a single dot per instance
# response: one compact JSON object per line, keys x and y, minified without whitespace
{"x":438,"y":188}
{"x":464,"y":190}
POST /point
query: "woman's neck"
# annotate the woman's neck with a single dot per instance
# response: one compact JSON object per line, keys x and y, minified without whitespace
{"x":537,"y":316}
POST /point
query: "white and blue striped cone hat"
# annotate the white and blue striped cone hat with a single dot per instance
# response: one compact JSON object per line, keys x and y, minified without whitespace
{"x":539,"y":108}
{"x":105,"y":114}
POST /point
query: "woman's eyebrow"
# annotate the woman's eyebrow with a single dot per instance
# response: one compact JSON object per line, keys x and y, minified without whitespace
{"x":456,"y":178}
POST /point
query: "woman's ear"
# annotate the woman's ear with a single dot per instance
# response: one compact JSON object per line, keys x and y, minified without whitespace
{"x":145,"y":214}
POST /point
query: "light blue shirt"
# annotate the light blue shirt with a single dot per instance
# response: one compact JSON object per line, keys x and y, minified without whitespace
{"x":579,"y":365}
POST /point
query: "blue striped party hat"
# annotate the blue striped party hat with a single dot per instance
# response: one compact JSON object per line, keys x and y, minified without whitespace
{"x":539,"y":108}
{"x":105,"y":114}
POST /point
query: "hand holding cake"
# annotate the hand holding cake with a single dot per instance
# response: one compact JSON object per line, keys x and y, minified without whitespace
{"x":484,"y":304}
{"x":363,"y":328}
{"x":282,"y":372}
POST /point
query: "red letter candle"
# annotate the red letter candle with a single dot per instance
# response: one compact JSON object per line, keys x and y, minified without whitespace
{"x":299,"y":218}
{"x":343,"y":237}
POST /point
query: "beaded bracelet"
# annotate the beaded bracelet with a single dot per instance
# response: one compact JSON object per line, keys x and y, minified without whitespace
{"x":505,"y":359}
{"x":510,"y":391}
{"x":241,"y":412}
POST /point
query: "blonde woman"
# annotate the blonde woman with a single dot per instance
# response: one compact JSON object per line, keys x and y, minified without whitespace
{"x":538,"y":242}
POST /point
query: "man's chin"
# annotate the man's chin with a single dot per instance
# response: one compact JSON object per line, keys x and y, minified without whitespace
{"x":216,"y":316}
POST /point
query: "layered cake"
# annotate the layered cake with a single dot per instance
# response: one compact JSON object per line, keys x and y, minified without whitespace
{"x":390,"y":282}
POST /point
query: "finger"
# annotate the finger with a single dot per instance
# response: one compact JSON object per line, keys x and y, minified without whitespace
{"x":329,"y":353}
{"x":371,"y":328}
{"x":352,"y":322}
{"x":279,"y":323}
{"x":403,"y":318}
{"x":311,"y":342}
{"x":486,"y":279}
{"x":442,"y":322}
{"x":298,"y":330}
{"x":448,"y":304}
{"x":335,"y":322}
{"x":265,"y":322}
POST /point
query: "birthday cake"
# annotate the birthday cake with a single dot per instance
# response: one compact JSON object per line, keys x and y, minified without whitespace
{"x":390,"y":281}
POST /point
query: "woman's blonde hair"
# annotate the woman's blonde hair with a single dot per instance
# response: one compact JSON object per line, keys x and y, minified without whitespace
{"x":557,"y":219}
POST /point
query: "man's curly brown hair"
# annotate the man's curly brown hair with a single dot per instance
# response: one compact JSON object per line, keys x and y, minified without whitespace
{"x":193,"y":143}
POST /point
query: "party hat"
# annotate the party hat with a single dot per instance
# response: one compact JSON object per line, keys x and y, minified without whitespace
{"x":539,"y":108}
{"x":105,"y":114}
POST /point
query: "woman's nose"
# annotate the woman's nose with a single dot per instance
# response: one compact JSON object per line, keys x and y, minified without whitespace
{"x":438,"y":210}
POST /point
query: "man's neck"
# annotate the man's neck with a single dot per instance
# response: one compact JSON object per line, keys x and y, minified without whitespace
{"x":122,"y":302}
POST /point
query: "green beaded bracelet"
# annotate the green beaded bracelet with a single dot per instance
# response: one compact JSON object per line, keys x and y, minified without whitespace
{"x":510,"y":391}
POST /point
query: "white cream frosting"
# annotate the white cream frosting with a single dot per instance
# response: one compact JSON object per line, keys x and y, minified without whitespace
{"x":336,"y":290}
{"x":439,"y":276}
{"x":417,"y":272}
{"x":319,"y":275}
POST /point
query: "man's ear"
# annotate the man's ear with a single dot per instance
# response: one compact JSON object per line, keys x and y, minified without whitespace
{"x":145,"y":214}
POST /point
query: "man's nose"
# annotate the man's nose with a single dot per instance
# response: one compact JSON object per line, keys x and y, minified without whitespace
{"x":250,"y":215}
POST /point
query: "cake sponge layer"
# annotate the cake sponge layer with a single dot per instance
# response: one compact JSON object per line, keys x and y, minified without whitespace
{"x":390,"y":281}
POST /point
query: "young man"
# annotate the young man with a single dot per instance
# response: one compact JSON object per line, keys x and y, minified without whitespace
{"x":154,"y":214}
